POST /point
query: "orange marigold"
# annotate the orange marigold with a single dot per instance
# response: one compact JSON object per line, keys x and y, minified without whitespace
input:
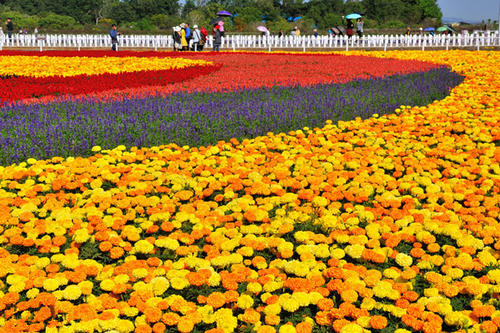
{"x":378,"y":322}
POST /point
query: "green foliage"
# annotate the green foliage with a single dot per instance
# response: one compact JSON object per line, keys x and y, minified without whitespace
{"x":394,"y":24}
{"x":20,"y":20}
{"x":430,"y":9}
{"x":57,"y":22}
{"x":145,"y":24}
{"x":90,"y":250}
{"x":163,"y":21}
{"x":148,"y":15}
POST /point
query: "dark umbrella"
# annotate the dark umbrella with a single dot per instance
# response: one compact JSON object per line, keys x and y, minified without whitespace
{"x":216,"y":20}
{"x":224,"y":13}
{"x":429,"y":29}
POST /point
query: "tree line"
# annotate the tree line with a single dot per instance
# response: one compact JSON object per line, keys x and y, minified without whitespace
{"x":159,"y":15}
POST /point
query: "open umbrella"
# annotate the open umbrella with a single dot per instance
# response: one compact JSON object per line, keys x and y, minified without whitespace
{"x":445,"y":28}
{"x":353,"y":16}
{"x":224,"y":13}
{"x":215,"y":20}
{"x":341,"y":29}
{"x":262,"y":28}
{"x":429,"y":29}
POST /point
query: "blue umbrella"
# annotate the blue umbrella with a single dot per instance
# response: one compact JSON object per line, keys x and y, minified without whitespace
{"x":297,"y":18}
{"x":353,"y":16}
{"x":429,"y":29}
{"x":224,"y":13}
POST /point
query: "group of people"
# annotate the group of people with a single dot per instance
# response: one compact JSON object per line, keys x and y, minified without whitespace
{"x":186,"y":38}
{"x":9,"y":25}
{"x":195,"y":39}
{"x":350,"y":28}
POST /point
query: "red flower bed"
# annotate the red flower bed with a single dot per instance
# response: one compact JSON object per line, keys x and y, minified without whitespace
{"x":246,"y":70}
{"x":22,"y":87}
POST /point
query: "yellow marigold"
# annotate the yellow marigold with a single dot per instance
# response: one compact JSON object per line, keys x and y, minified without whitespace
{"x":254,"y":287}
{"x":143,"y":246}
{"x":272,"y":309}
{"x":51,"y":284}
{"x":245,"y":302}
{"x":320,"y":201}
{"x":354,"y":251}
{"x":287,"y":329}
{"x":72,"y":292}
{"x":179,"y":283}
{"x":404,"y":260}
{"x":159,"y":285}
{"x":107,"y":284}
{"x":352,"y":328}
{"x":140,"y":273}
{"x":32,"y":293}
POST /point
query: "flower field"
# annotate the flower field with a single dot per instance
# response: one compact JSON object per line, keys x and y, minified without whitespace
{"x":382,"y":215}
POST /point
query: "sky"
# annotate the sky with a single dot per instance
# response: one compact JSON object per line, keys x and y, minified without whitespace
{"x":472,"y":11}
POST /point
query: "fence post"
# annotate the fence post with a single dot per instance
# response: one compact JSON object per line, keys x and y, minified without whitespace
{"x":303,"y":44}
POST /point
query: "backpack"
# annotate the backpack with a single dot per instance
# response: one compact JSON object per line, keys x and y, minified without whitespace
{"x":204,"y":34}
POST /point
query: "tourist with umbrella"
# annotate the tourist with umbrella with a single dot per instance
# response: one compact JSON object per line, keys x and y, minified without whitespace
{"x":350,"y":24}
{"x":264,"y":30}
{"x":430,"y":30}
{"x":217,"y":38}
{"x":359,"y":27}
{"x":445,"y":29}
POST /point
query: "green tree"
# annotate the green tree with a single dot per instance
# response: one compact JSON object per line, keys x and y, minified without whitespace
{"x":324,"y":13}
{"x":430,"y":9}
{"x":188,"y":7}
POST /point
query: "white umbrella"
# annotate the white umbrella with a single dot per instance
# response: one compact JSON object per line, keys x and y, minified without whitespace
{"x":262,"y":28}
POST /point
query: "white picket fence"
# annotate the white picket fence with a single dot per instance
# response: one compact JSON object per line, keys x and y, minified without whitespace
{"x":236,"y":42}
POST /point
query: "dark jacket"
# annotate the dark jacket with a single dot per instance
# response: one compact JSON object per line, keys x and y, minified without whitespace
{"x":218,"y":37}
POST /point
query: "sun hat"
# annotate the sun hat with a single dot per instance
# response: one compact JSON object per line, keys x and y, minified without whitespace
{"x":195,"y":26}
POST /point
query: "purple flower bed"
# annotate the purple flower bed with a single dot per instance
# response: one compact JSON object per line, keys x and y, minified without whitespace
{"x":72,"y":128}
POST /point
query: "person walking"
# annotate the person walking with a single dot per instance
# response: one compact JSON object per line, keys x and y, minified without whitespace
{"x":176,"y":35}
{"x":217,"y":38}
{"x":10,"y":27}
{"x":114,"y":38}
{"x":349,"y":28}
{"x":189,"y":34}
{"x":359,"y":27}
{"x":184,"y":42}
{"x":196,"y":38}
